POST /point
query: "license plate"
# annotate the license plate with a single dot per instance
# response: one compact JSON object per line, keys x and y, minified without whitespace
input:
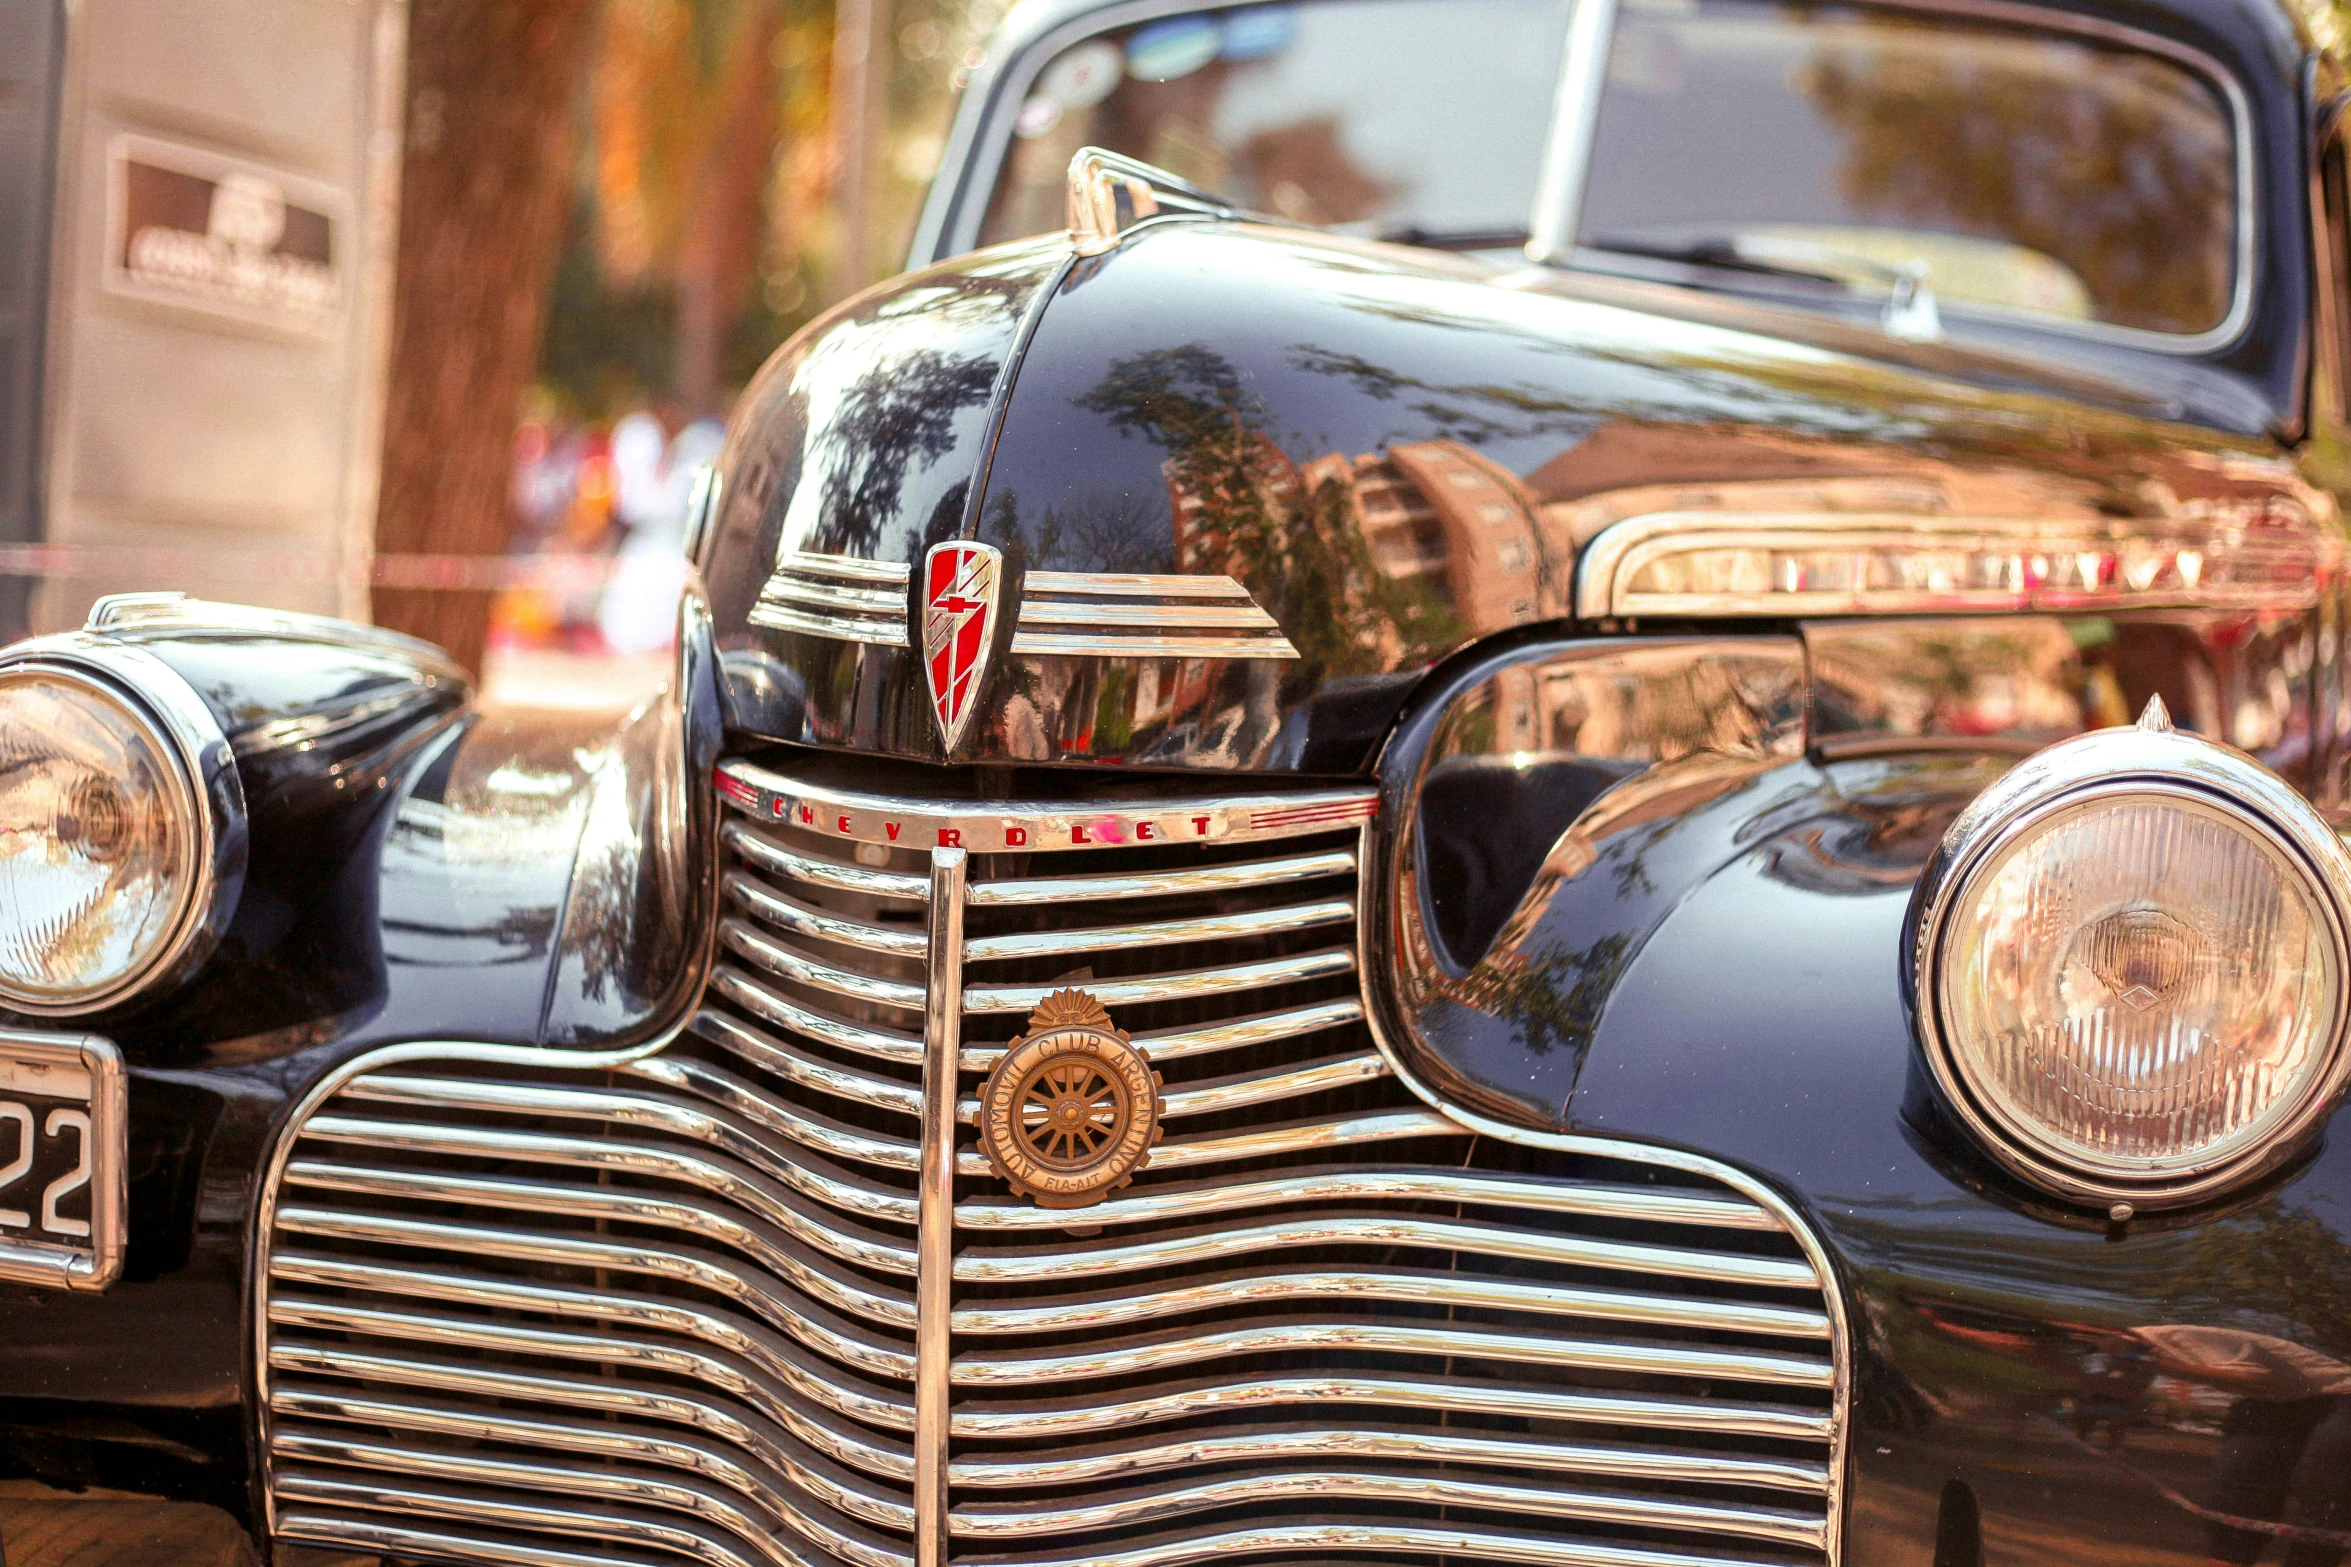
{"x":61,"y":1160}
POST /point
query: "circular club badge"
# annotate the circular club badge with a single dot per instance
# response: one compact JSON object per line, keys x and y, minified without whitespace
{"x":1071,"y":1111}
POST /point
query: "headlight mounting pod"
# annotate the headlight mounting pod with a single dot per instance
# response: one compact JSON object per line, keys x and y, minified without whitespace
{"x":2130,"y":968}
{"x":122,"y":826}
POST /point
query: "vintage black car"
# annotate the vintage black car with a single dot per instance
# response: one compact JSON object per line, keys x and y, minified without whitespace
{"x":1568,"y":797}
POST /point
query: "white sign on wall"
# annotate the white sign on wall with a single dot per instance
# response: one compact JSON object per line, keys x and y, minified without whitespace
{"x":193,"y":228}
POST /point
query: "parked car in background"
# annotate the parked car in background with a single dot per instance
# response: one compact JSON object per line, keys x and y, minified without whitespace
{"x":1568,"y":796}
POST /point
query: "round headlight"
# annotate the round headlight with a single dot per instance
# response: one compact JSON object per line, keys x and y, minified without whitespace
{"x":111,"y":833}
{"x":2132,"y":967}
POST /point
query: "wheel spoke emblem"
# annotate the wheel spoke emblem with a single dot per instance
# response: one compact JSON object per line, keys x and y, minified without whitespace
{"x":1071,"y":1111}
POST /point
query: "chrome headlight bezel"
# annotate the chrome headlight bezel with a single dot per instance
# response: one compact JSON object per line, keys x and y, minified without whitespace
{"x":2150,"y":760}
{"x":208,"y":803}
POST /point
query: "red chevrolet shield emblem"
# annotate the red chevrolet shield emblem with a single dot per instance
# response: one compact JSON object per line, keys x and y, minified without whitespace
{"x":959,"y":583}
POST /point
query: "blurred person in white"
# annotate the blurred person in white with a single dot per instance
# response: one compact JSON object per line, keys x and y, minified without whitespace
{"x":639,"y":610}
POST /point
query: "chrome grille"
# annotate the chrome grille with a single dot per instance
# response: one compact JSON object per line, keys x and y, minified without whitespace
{"x":664,"y":1309}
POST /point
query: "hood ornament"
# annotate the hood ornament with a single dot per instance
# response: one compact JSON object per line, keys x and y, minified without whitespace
{"x":1072,"y":1110}
{"x":960,"y":587}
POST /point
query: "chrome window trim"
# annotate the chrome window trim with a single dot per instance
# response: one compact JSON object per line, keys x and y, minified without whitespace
{"x":2142,"y":760}
{"x":1619,"y":550}
{"x":210,"y":804}
{"x":1552,"y":238}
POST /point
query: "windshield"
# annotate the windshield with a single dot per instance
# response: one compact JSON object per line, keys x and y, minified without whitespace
{"x":2024,"y":171}
{"x":1420,"y":119}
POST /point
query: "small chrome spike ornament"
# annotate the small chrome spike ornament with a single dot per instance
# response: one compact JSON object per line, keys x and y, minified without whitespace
{"x":2156,"y":720}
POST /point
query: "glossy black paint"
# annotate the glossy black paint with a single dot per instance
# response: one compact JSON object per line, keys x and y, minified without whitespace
{"x":2034,"y":1356}
{"x":452,"y":873}
{"x":867,"y":435}
{"x":2023,"y":1351}
{"x":1525,"y":867}
{"x":322,"y":733}
{"x":1226,"y":397}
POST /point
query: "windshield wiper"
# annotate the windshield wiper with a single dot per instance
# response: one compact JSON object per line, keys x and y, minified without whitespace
{"x":1452,"y":239}
{"x":1714,"y":251}
{"x":1910,"y":312}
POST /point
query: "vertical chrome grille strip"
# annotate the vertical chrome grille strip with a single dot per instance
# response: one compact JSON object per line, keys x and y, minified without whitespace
{"x":942,"y":1041}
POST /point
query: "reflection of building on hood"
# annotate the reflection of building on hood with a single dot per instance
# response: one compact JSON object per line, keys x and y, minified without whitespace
{"x":2252,"y":1364}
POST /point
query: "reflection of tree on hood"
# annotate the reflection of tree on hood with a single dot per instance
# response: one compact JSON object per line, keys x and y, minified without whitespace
{"x":1293,"y":544}
{"x":2285,"y":1265}
{"x":888,"y":418}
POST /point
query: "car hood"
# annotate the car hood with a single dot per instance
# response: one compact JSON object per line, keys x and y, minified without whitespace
{"x":1362,"y":458}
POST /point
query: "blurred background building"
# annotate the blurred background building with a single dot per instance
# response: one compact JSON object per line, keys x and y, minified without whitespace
{"x":425,"y":310}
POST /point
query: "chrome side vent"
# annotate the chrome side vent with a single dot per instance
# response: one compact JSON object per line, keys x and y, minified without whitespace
{"x":666,"y":1309}
{"x":1120,"y":616}
{"x":836,"y":596}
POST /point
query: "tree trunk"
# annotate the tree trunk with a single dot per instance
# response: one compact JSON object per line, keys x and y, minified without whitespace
{"x":859,"y":60}
{"x":493,"y":120}
{"x":718,"y":257}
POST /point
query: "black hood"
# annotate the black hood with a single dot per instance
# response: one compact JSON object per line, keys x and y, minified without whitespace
{"x":1392,"y":453}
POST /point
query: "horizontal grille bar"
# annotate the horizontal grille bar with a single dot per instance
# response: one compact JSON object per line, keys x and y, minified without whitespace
{"x":588,"y":1153}
{"x":1339,"y":1541}
{"x":835,"y":1488}
{"x":1244,"y":876}
{"x":1070,"y":1464}
{"x":715,"y":1345}
{"x":1191,"y":984}
{"x":1434,"y":1394}
{"x":1322,"y":1486}
{"x":1287,"y":1338}
{"x":568,"y":1517}
{"x":1548,"y":1197}
{"x":653,"y":1491}
{"x":1159,"y":933}
{"x":1436,"y":1289}
{"x":541,"y":1197}
{"x":768,"y":855}
{"x":677,"y":1263}
{"x":784,"y":914}
{"x":1487,"y":1240}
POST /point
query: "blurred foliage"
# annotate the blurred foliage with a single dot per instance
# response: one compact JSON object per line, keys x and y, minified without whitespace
{"x":704,"y":225}
{"x":2111,"y":173}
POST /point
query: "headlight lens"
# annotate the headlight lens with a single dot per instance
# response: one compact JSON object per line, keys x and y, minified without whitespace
{"x":101,"y":855}
{"x":2133,"y":968}
{"x":2141,"y":984}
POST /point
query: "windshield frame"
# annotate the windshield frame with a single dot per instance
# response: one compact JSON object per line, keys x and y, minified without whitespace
{"x":1028,"y":40}
{"x":1591,"y":38}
